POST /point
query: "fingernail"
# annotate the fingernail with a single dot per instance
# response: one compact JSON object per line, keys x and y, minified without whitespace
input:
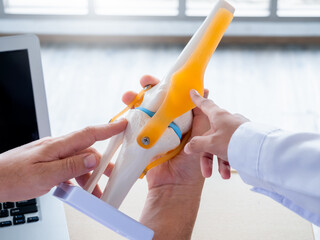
{"x":206,"y":94}
{"x":186,"y":149}
{"x":195,"y":92}
{"x":119,"y":120}
{"x":90,"y":161}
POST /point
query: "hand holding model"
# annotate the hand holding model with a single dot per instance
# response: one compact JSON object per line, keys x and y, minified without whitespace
{"x":174,"y":186}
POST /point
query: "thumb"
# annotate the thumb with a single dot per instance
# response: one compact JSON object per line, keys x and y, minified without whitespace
{"x":70,"y":167}
{"x":199,"y":144}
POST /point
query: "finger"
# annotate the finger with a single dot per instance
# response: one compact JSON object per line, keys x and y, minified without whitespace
{"x":199,"y":144}
{"x":206,"y":93}
{"x":77,"y":141}
{"x":68,"y":182}
{"x":197,"y":111}
{"x":109,"y":169}
{"x":148,"y":80}
{"x":207,"y":106}
{"x":65,"y":169}
{"x":241,"y":117}
{"x":206,"y":162}
{"x":88,"y":151}
{"x":83,"y":179}
{"x":128,"y":97}
{"x":224,"y":168}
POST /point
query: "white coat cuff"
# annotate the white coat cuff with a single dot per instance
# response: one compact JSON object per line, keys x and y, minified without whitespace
{"x":244,"y":152}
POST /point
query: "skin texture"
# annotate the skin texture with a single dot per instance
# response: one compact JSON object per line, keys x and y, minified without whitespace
{"x":216,"y":140}
{"x":33,"y":169}
{"x":175,"y":186}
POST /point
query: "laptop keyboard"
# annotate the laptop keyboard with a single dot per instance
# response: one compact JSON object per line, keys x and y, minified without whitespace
{"x":16,"y":213}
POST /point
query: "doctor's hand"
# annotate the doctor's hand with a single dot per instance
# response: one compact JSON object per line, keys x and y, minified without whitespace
{"x":215,"y":141}
{"x":33,"y":169}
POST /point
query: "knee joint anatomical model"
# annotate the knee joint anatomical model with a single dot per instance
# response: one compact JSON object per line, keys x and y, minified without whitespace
{"x":160,"y":118}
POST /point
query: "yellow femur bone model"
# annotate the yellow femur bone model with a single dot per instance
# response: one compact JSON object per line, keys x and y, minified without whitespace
{"x":187,"y":74}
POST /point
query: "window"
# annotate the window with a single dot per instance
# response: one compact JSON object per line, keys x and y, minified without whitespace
{"x":46,"y":6}
{"x":258,"y":8}
{"x":244,"y":7}
{"x":303,"y":8}
{"x":137,"y":7}
{"x":156,"y":17}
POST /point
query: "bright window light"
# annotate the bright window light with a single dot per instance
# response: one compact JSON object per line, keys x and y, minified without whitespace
{"x":299,"y":8}
{"x":46,"y":7}
{"x":243,"y":7}
{"x":137,"y":7}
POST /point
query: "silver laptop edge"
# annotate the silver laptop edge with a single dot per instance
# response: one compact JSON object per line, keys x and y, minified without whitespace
{"x":52,"y":224}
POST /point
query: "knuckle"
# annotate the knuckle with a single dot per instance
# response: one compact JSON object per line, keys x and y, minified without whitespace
{"x":71,"y":166}
{"x":212,"y":140}
{"x":41,"y":178}
{"x":46,"y":141}
{"x":49,"y":145}
{"x":89,"y":132}
{"x":219,"y":113}
{"x":240,"y":117}
{"x":52,"y":147}
{"x":205,"y":103}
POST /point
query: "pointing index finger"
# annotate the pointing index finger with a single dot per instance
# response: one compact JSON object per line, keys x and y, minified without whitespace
{"x":77,"y":141}
{"x":207,"y":106}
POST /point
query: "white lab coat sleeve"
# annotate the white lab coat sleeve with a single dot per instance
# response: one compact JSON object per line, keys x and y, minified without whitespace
{"x":282,"y":165}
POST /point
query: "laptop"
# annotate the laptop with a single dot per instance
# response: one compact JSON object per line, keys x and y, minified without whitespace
{"x":24,"y":118}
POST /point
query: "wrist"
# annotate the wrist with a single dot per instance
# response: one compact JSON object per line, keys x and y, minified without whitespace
{"x":189,"y":192}
{"x":171,"y":210}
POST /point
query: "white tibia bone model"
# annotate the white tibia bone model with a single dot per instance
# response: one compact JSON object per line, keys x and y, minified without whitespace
{"x":133,"y":159}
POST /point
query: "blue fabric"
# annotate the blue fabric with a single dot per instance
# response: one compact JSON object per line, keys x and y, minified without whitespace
{"x":172,"y":125}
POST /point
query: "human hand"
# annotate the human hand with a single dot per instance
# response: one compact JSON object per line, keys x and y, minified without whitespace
{"x":174,"y":186}
{"x":215,"y":141}
{"x":33,"y":169}
{"x":184,"y":169}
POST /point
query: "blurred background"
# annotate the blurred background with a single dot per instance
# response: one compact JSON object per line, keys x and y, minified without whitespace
{"x":266,"y":68}
{"x":152,"y":18}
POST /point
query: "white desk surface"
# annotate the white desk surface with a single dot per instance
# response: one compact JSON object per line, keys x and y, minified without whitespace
{"x":233,"y":210}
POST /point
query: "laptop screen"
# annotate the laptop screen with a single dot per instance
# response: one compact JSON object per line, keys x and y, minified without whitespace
{"x":18,"y":122}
